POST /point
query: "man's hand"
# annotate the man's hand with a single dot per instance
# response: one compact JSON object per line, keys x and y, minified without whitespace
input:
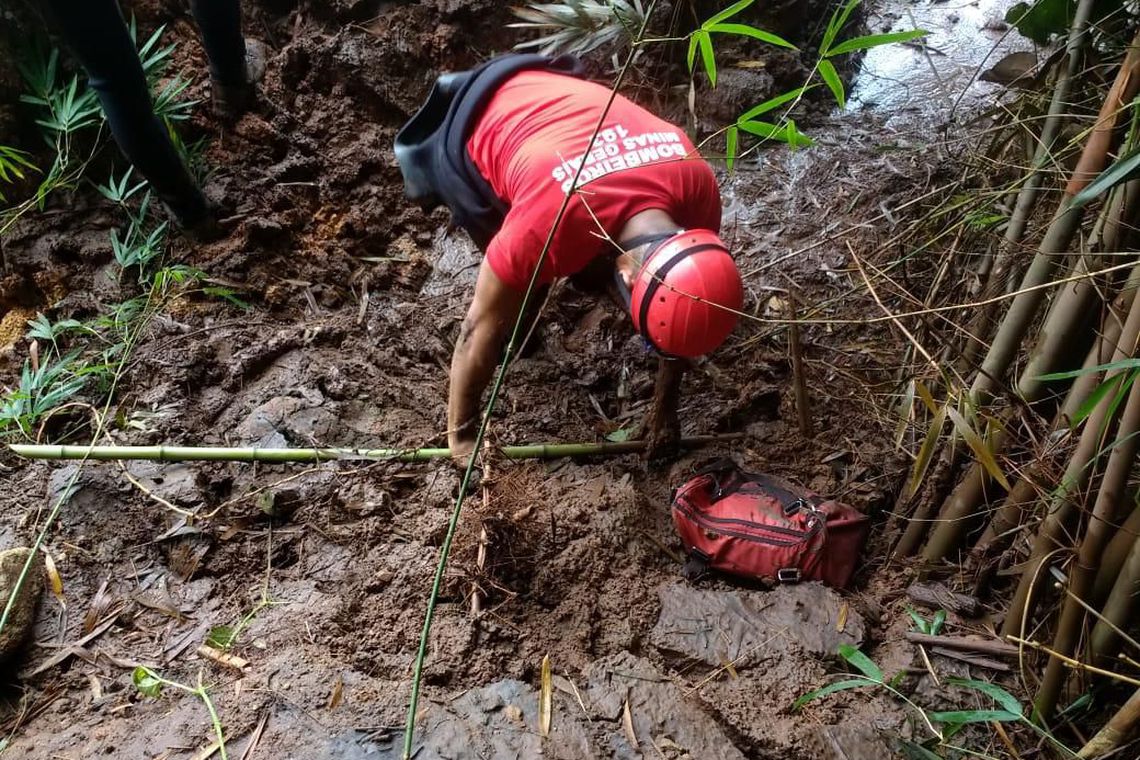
{"x":662,"y":429}
{"x":477,"y":352}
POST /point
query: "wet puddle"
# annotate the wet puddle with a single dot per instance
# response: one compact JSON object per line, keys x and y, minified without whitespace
{"x":939,"y":74}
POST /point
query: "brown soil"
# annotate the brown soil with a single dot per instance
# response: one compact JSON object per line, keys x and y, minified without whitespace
{"x":342,"y":348}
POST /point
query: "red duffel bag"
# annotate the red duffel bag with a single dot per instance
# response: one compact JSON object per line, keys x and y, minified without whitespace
{"x":763,"y":527}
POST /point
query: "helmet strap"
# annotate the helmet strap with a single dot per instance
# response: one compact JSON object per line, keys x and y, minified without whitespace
{"x":654,"y":239}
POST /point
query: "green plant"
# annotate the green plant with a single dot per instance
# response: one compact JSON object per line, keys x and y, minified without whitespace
{"x":43,"y":386}
{"x":942,"y":725}
{"x":13,"y":162}
{"x":580,"y":26}
{"x":701,"y":41}
{"x":930,"y":627}
{"x":150,"y":684}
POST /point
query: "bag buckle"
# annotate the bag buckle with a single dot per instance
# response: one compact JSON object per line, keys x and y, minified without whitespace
{"x":795,"y":506}
{"x":788,"y":575}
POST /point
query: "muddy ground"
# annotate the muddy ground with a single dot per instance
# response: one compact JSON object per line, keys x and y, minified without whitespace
{"x":354,"y":299}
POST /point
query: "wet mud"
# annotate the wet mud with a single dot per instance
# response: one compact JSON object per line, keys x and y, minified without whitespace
{"x":355,"y":298}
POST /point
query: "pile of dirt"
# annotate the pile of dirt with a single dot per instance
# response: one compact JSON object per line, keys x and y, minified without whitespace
{"x":346,"y":342}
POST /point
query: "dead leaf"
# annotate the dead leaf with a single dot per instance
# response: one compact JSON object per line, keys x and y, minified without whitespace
{"x":100,"y":604}
{"x":545,"y":697}
{"x":223,"y":658}
{"x":750,"y":64}
{"x":337,"y":692}
{"x":841,"y":624}
{"x":54,"y":581}
{"x":727,"y":665}
{"x":627,"y":725}
{"x":1014,"y":68}
{"x":96,"y":687}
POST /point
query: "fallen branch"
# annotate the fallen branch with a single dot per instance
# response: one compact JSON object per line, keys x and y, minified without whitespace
{"x":255,"y":454}
{"x":985,"y":646}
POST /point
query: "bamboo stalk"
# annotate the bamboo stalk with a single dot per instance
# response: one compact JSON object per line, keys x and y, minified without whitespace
{"x":1060,"y":504}
{"x":803,"y":408}
{"x":1117,"y":611}
{"x":1115,"y":732}
{"x":1083,"y":573}
{"x":1027,"y":195}
{"x":997,"y":534}
{"x":1114,"y":557}
{"x":254,"y":454}
{"x":1059,"y":235}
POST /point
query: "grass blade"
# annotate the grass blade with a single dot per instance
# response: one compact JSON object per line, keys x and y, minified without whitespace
{"x":874,"y":40}
{"x":834,"y":83}
{"x":831,"y":688}
{"x":862,"y":662}
{"x":981,"y":451}
{"x":744,"y":30}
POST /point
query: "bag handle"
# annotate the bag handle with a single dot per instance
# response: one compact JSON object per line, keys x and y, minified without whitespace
{"x":738,"y":478}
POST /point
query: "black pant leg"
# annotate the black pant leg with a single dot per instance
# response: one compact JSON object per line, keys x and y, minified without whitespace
{"x":220,"y":24}
{"x":96,"y":34}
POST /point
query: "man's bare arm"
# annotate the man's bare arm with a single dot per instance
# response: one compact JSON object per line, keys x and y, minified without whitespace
{"x":478,"y":349}
{"x":662,"y":429}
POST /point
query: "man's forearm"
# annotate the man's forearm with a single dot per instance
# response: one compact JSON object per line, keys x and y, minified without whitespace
{"x":472,"y":365}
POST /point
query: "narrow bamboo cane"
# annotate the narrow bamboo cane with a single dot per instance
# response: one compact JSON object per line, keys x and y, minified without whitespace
{"x":1096,"y":536}
{"x":1117,"y":611}
{"x":1115,"y":555}
{"x":1115,"y":732}
{"x":1027,"y":195}
{"x":1060,"y":504}
{"x":1022,"y":311}
{"x":230,"y":454}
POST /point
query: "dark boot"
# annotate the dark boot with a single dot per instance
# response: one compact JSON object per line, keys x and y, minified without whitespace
{"x":230,"y":101}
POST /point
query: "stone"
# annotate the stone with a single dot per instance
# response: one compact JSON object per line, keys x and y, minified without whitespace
{"x":660,"y":712}
{"x":497,"y":721}
{"x":22,"y":618}
{"x":744,"y":627}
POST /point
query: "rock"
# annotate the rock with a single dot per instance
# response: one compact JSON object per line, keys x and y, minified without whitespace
{"x":498,"y":721}
{"x":715,"y":627}
{"x":659,"y":711}
{"x":22,"y":619}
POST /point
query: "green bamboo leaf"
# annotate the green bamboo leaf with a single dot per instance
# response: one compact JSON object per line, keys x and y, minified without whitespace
{"x":874,"y":40}
{"x":974,"y":716}
{"x":862,"y":662}
{"x":1093,"y":401}
{"x":772,"y":103}
{"x":835,"y":25}
{"x":694,"y":41}
{"x":926,"y":452}
{"x":731,"y":140}
{"x":981,"y":451}
{"x":834,"y":83}
{"x":915,"y":751}
{"x":919,"y":621}
{"x":1133,"y":363}
{"x":926,"y":396}
{"x":1008,"y":702}
{"x":704,"y":42}
{"x":744,"y":30}
{"x":1123,"y":169}
{"x":831,"y":688}
{"x":727,"y":13}
{"x":937,"y":623}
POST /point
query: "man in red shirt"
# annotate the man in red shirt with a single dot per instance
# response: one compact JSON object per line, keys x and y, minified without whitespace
{"x":504,"y":155}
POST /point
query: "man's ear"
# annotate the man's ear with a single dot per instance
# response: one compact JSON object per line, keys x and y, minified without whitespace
{"x":627,"y":265}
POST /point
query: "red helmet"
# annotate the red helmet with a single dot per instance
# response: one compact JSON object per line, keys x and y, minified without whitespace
{"x":686,"y":295}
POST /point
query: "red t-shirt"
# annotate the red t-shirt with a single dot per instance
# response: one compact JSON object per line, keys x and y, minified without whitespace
{"x":527,"y":145}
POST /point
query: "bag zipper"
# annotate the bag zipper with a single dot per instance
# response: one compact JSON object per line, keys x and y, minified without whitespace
{"x":705,"y":521}
{"x":747,"y":523}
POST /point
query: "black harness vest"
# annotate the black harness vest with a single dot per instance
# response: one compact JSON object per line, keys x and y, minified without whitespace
{"x":432,"y":147}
